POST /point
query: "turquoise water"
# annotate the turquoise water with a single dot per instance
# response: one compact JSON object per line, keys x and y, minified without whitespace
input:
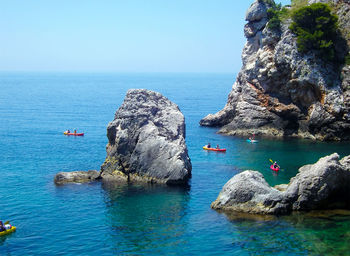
{"x":133,"y":219}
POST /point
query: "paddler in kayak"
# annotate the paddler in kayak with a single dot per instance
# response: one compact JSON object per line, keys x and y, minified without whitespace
{"x":2,"y":227}
{"x":217,"y":146}
{"x":208,"y":146}
{"x":275,"y":165}
{"x":252,"y":137}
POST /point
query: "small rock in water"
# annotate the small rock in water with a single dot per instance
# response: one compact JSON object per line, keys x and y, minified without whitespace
{"x":76,"y":177}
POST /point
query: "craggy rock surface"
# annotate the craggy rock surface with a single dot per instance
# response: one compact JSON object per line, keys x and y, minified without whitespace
{"x":146,"y":141}
{"x":249,"y":192}
{"x":323,"y":185}
{"x":76,"y":177}
{"x":282,"y":93}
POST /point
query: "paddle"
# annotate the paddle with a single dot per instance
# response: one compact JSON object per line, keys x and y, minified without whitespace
{"x":271,"y":161}
{"x":7,"y":222}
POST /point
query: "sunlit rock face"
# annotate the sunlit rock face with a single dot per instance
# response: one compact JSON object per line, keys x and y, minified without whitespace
{"x":146,"y":141}
{"x":282,"y":93}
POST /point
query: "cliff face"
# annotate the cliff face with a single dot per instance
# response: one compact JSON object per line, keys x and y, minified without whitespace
{"x":281,"y":92}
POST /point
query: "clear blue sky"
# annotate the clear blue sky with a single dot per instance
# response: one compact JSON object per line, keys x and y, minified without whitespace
{"x":122,"y":35}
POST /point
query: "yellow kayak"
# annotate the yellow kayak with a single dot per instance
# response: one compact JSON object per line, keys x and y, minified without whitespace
{"x":12,"y":229}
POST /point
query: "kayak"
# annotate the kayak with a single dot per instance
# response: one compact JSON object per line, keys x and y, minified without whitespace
{"x":274,"y":169}
{"x":252,"y":141}
{"x":215,"y":149}
{"x":12,"y":229}
{"x":73,"y":134}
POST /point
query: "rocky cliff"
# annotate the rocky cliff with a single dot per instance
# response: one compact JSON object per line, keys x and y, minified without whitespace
{"x":281,"y":92}
{"x":146,"y":141}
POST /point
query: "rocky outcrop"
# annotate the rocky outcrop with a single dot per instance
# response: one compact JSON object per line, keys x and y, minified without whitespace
{"x":249,"y":192}
{"x":282,"y":93}
{"x":146,"y":141}
{"x":323,"y":185}
{"x":76,"y":177}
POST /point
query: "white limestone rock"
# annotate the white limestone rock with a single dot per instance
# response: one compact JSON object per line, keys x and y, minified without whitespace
{"x":146,"y":141}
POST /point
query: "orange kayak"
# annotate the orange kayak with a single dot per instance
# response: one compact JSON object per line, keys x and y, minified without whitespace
{"x":215,"y":149}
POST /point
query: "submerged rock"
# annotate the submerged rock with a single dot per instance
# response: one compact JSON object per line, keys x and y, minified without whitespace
{"x":323,"y":185}
{"x":282,"y":93}
{"x":146,"y":141}
{"x":76,"y":177}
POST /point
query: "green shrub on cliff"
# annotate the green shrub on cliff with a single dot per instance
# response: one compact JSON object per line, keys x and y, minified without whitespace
{"x":316,"y":29}
{"x":275,"y":15}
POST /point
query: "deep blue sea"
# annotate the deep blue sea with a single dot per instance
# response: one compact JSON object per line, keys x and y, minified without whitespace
{"x":91,"y":219}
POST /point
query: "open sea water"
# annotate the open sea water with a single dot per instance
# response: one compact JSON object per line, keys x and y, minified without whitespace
{"x":107,"y":219}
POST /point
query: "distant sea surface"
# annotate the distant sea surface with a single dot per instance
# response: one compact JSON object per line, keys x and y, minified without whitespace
{"x":98,"y":219}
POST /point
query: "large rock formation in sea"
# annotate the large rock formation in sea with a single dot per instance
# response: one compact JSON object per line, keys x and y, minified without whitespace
{"x":323,"y":185}
{"x":146,"y":141}
{"x":281,"y":92}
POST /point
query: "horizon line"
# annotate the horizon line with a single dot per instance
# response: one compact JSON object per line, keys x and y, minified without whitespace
{"x":117,"y":72}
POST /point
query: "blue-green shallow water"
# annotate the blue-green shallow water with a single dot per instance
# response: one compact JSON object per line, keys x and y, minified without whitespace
{"x":105,"y":219}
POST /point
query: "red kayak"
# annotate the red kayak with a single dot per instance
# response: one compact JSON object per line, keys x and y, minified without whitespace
{"x":274,"y":169}
{"x":73,"y":134}
{"x":215,"y":149}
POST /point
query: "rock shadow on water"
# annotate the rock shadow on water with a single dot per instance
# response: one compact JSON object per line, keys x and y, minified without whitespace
{"x":145,"y":218}
{"x":301,"y":233}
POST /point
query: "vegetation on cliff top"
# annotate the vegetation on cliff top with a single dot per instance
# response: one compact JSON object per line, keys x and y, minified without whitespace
{"x":314,"y":25}
{"x":277,"y":14}
{"x":316,"y":29}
